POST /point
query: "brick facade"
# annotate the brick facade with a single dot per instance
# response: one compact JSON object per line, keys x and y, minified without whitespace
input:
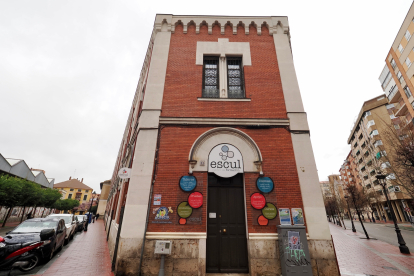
{"x":175,"y":144}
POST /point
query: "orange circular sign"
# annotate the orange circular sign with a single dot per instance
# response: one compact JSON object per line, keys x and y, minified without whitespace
{"x":182,"y":221}
{"x":262,"y":220}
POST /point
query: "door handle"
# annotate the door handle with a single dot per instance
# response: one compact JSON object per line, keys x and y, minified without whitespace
{"x":224,"y":230}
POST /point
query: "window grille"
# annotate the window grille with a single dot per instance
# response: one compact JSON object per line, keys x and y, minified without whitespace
{"x":211,"y":78}
{"x":235,"y":78}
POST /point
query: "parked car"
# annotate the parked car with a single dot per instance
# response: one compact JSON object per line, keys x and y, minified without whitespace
{"x":51,"y":231}
{"x":70,"y":224}
{"x":82,"y":220}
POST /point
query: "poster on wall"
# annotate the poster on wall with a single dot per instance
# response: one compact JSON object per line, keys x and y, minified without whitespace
{"x":284,"y":214}
{"x":265,"y":184}
{"x":157,"y":199}
{"x":225,"y":160}
{"x":188,"y":183}
{"x":297,"y":216}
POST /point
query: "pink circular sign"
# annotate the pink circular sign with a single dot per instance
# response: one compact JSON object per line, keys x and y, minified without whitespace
{"x":258,"y":201}
{"x":195,"y":200}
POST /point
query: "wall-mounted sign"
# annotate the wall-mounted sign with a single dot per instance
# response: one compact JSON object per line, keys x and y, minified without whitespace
{"x":195,"y":200}
{"x":157,"y":199}
{"x":284,"y":215}
{"x":162,"y":213}
{"x":225,"y":160}
{"x":182,"y":221}
{"x":124,"y":173}
{"x":188,"y":183}
{"x":270,"y":211}
{"x":265,"y":184}
{"x":258,"y":201}
{"x":261,"y":220}
{"x":184,"y":210}
{"x":297,"y":216}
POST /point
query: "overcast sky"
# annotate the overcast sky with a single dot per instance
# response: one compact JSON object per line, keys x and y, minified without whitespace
{"x":69,"y":69}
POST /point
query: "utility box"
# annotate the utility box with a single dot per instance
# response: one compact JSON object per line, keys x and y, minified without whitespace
{"x":163,"y":247}
{"x":294,"y":251}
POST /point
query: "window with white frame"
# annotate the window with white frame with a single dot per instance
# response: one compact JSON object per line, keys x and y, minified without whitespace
{"x":400,"y":48}
{"x":408,"y":62}
{"x":378,"y":143}
{"x":211,"y":77}
{"x":374,"y":132}
{"x":367,"y":114}
{"x":391,"y":176}
{"x":407,"y":35}
{"x":392,"y":116}
{"x":388,"y":106}
{"x":385,"y":165}
{"x":370,"y":123}
{"x":383,"y":153}
{"x":399,"y":76}
{"x":396,"y":126}
{"x":407,"y":91}
{"x":393,"y":64}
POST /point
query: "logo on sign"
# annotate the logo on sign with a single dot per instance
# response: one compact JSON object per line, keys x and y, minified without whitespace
{"x":124,"y":173}
{"x":162,"y":213}
{"x":225,"y":160}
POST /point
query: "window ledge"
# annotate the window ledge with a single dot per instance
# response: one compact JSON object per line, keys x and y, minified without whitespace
{"x":224,"y":100}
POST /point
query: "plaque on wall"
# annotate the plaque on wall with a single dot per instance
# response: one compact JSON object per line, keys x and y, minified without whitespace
{"x":269,"y":211}
{"x":188,"y":183}
{"x":264,"y":184}
{"x":258,"y":201}
{"x":261,"y":220}
{"x":184,"y":210}
{"x":195,"y":200}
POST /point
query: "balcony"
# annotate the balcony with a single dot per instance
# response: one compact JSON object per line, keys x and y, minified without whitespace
{"x":402,"y":110}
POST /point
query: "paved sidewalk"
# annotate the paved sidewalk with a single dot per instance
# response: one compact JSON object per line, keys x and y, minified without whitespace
{"x":358,"y":256}
{"x":87,"y":255}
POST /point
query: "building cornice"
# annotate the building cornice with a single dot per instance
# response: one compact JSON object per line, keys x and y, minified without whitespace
{"x":223,"y":121}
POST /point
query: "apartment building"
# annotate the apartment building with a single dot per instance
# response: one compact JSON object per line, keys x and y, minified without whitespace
{"x":397,"y":77}
{"x":349,"y":172}
{"x":216,"y":129}
{"x":369,"y":149}
{"x":326,"y":189}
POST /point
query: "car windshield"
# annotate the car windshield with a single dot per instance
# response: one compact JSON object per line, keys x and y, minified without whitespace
{"x":34,"y":226}
{"x":67,"y":219}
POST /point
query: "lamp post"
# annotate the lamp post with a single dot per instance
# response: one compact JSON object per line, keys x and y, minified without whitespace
{"x":349,"y":212}
{"x":90,"y":207}
{"x":403,"y":248}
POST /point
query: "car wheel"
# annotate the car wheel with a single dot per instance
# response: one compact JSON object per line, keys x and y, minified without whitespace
{"x":48,"y":258}
{"x":66,"y":241}
{"x":71,"y":236}
{"x":33,"y":261}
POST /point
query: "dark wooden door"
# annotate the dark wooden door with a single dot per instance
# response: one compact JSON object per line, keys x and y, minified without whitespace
{"x":226,"y":225}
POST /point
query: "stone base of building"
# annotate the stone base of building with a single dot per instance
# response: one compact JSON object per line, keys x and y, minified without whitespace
{"x":188,"y":258}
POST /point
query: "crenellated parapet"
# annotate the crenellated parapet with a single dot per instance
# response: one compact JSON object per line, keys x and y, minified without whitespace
{"x":168,"y":22}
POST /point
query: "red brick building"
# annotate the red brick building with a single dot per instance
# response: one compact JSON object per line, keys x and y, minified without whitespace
{"x":217,"y":142}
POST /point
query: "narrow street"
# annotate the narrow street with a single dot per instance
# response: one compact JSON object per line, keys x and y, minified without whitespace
{"x":86,"y":255}
{"x":359,"y":256}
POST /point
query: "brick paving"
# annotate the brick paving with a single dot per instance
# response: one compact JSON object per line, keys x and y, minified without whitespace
{"x":87,"y":255}
{"x":358,"y":256}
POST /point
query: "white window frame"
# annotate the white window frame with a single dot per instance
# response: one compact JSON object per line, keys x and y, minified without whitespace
{"x":407,"y":35}
{"x":408,"y":62}
{"x":393,"y":64}
{"x":400,"y":48}
{"x":370,"y":123}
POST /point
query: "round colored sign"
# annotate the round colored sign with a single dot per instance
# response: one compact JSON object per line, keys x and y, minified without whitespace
{"x":195,"y":200}
{"x":188,"y":183}
{"x":182,"y":221}
{"x":184,"y":210}
{"x":258,"y":201}
{"x":261,"y":220}
{"x":270,"y":211}
{"x":265,"y":184}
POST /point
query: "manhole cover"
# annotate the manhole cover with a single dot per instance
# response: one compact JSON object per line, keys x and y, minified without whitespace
{"x":389,"y":267}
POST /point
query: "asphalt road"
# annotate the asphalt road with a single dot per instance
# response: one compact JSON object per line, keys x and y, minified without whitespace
{"x":386,"y":232}
{"x":40,"y":268}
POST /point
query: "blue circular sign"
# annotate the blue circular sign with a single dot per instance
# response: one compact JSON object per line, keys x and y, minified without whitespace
{"x":188,"y":183}
{"x":265,"y":184}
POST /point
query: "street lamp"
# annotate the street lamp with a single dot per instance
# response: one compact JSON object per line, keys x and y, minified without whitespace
{"x":349,"y":212}
{"x":92,"y":198}
{"x":403,"y":248}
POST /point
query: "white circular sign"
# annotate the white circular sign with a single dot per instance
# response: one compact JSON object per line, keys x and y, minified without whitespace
{"x":225,"y":160}
{"x":124,"y":173}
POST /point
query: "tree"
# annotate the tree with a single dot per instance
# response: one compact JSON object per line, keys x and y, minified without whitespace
{"x":10,"y":193}
{"x":49,"y":198}
{"x":66,"y":204}
{"x":359,"y":201}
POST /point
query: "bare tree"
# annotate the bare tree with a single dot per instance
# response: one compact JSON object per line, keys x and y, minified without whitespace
{"x":359,"y":201}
